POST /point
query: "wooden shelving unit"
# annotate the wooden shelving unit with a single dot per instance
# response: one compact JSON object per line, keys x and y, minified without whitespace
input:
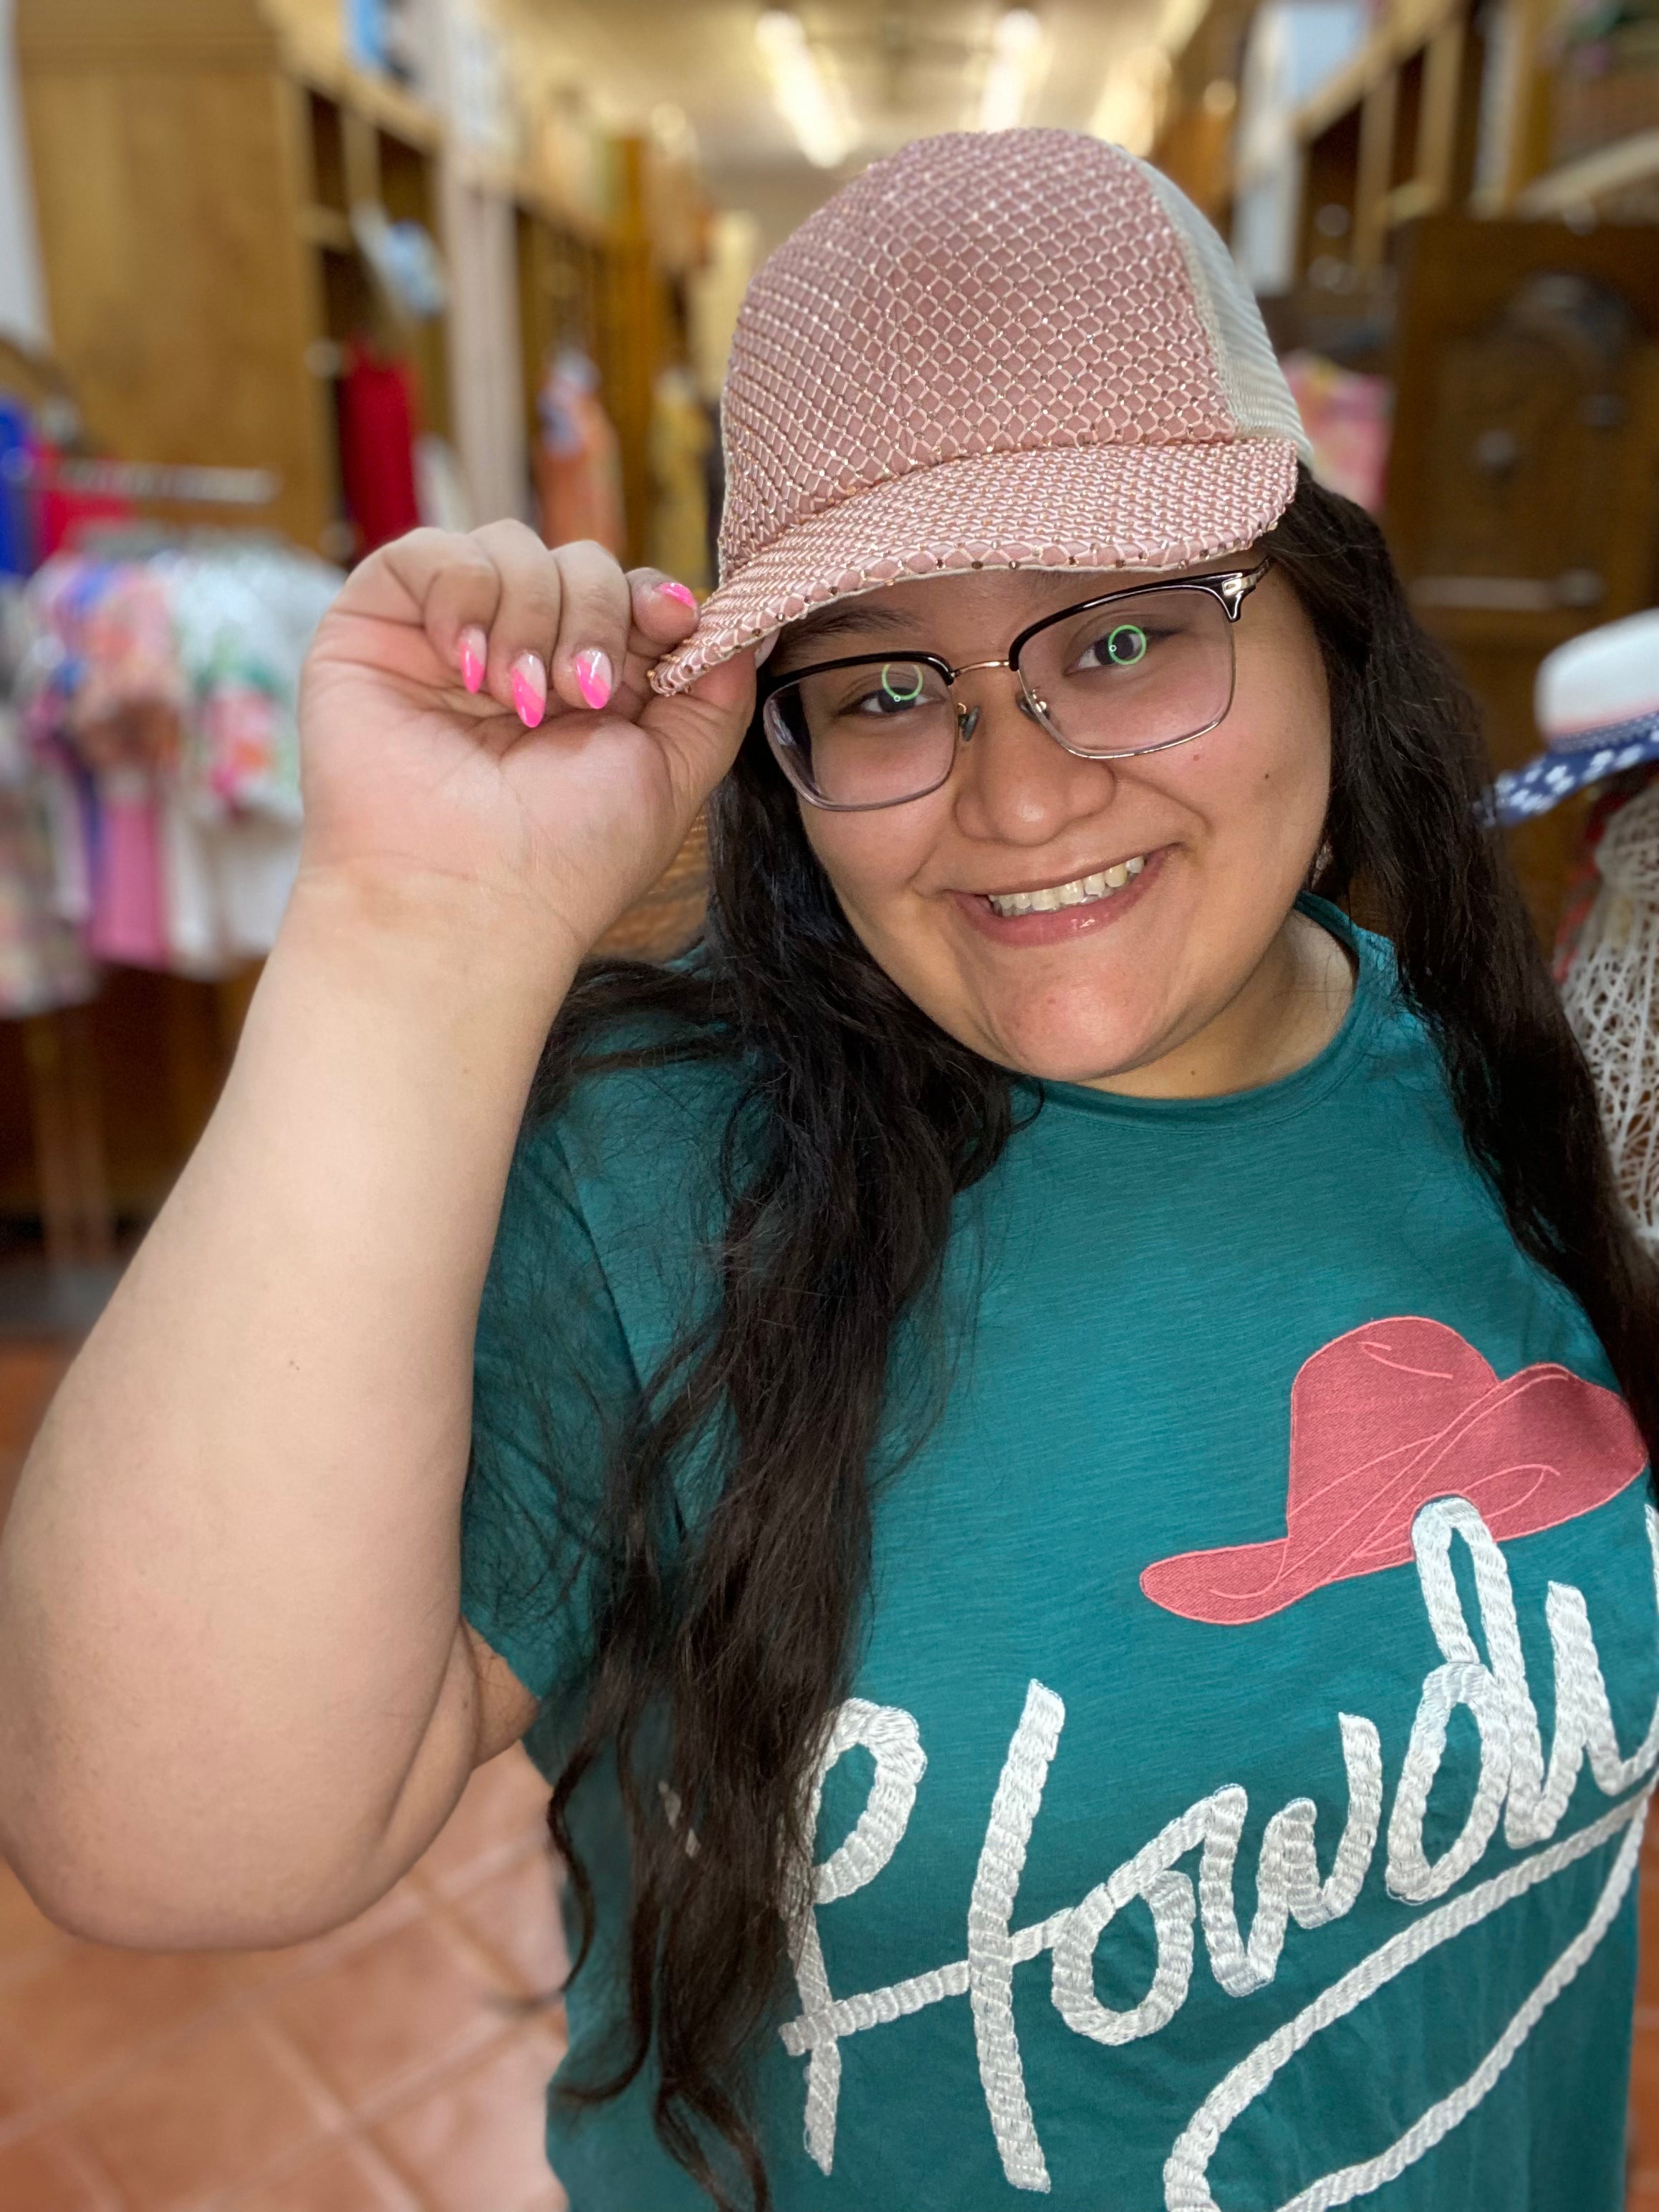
{"x":212,"y":232}
{"x":1393,"y":136}
{"x":1518,"y":317}
{"x":1596,"y":182}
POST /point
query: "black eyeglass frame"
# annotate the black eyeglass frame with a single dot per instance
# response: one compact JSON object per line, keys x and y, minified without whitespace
{"x":1230,"y":587}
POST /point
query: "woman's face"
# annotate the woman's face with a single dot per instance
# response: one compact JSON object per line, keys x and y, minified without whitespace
{"x":1226,"y":828}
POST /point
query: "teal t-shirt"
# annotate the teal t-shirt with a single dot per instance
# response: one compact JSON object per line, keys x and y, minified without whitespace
{"x":1239,"y":1804}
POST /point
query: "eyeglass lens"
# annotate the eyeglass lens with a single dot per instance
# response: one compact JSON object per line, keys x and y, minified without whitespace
{"x":1147,"y":671}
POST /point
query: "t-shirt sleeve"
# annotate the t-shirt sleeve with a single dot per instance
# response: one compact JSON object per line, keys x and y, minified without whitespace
{"x":554,"y":1382}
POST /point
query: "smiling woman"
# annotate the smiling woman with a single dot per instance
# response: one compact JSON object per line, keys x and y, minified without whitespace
{"x":1083,"y":764}
{"x":1040,"y":1395}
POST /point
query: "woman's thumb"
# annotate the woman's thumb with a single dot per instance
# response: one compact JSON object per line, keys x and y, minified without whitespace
{"x":704,"y":725}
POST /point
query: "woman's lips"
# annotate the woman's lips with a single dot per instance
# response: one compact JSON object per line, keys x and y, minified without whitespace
{"x":1065,"y":921}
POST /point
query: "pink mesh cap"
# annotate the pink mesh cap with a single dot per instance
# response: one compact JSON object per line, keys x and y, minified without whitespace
{"x":1015,"y":349}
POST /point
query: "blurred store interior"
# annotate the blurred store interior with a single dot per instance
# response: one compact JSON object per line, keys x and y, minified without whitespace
{"x":281,"y":278}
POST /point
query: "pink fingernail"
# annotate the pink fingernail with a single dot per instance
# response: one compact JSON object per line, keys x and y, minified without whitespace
{"x":472,"y":657}
{"x":686,"y":597}
{"x":593,"y":675}
{"x":530,"y":688}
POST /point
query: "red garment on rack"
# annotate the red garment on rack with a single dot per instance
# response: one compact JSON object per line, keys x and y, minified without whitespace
{"x":62,"y":514}
{"x":377,"y":447}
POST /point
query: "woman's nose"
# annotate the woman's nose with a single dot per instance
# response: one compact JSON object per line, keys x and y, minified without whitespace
{"x":1015,"y":781}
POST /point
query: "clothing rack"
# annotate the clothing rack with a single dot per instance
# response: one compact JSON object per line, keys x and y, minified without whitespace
{"x":144,"y":480}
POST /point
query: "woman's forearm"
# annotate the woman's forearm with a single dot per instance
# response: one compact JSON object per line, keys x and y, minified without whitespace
{"x":228,"y":1579}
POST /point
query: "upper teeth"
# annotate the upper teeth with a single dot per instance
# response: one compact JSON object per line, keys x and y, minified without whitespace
{"x":1078,"y":893}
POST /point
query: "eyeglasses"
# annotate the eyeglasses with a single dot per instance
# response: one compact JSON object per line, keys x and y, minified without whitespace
{"x":1132,"y":672}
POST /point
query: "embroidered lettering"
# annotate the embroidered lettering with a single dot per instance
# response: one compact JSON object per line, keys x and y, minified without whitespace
{"x":1287,"y":1883}
{"x":1186,"y":2185}
{"x":1150,"y":1875}
{"x":990,"y":1945}
{"x":891,"y":1736}
{"x":1514,"y":1785}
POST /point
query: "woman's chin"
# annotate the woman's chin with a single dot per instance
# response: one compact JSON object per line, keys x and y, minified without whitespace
{"x":1086,"y":1054}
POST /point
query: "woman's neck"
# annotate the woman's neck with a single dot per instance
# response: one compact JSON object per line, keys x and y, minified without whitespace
{"x":1286,"y":1013}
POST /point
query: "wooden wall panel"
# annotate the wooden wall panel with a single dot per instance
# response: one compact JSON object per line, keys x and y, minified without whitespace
{"x":165,"y":202}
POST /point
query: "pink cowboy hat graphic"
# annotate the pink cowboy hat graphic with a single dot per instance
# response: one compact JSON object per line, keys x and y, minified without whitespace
{"x":1382,"y":1420}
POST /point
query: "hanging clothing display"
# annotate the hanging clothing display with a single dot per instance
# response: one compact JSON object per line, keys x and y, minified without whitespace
{"x":162,"y":732}
{"x":16,"y":522}
{"x":577,"y":466}
{"x":1348,"y":418}
{"x":42,"y":963}
{"x":377,"y":447}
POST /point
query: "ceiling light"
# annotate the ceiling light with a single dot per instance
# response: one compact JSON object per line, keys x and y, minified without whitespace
{"x":1011,"y":75}
{"x":813,"y":108}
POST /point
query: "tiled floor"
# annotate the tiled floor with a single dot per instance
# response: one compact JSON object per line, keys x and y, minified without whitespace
{"x":379,"y":2070}
{"x":376,"y":2071}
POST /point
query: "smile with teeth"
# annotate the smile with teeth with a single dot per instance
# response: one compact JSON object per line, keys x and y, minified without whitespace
{"x":1082,"y":891}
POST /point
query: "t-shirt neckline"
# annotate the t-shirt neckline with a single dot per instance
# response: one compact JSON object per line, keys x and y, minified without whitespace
{"x":1373,"y":989}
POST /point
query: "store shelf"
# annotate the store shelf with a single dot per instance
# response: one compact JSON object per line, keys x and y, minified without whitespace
{"x":325,"y":226}
{"x":1407,"y":27}
{"x":1598,"y":176}
{"x":377,"y":99}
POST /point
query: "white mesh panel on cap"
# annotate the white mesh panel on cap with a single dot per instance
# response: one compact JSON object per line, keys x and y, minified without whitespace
{"x":1245,"y":362}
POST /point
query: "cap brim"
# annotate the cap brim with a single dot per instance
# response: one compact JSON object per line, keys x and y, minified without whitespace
{"x":1522,"y":793}
{"x":1050,"y":506}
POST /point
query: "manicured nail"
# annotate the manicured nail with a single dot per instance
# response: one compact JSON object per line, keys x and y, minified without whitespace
{"x":530,"y":688}
{"x":683,"y":592}
{"x":472,"y":657}
{"x":593,"y":675}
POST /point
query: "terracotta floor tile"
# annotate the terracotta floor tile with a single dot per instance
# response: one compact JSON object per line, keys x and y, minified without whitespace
{"x":1644,"y":2153}
{"x":39,"y":2175}
{"x":29,"y":1373}
{"x":475,"y":2142}
{"x":502,"y":1813}
{"x":515,"y":1914}
{"x":25,"y":1931}
{"x":21,"y":2090}
{"x":348,"y":2177}
{"x":216,"y":2112}
{"x":85,"y":2007}
{"x":296,"y":1961}
{"x":1647,"y":1976}
{"x":389,"y":2012}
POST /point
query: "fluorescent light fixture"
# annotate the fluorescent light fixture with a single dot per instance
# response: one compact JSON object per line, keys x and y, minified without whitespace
{"x":813,"y":108}
{"x":1011,"y":75}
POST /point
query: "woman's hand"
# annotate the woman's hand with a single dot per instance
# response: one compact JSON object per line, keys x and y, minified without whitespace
{"x":475,"y":716}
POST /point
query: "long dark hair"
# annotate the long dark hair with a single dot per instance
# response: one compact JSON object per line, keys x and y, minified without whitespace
{"x":720,"y":1657}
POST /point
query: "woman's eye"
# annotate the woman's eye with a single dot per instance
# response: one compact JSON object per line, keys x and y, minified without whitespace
{"x":1124,"y":645}
{"x":900,"y":687}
